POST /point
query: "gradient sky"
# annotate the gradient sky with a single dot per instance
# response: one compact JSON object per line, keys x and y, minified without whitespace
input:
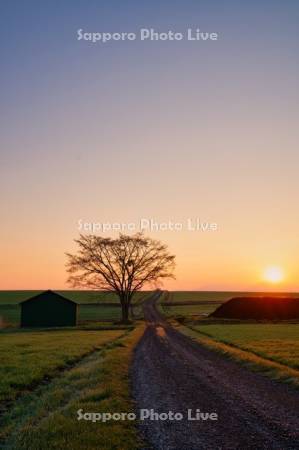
{"x":168,"y":130}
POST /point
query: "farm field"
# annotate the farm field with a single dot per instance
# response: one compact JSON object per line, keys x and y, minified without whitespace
{"x":98,"y":312}
{"x":11,"y":314}
{"x":87,"y":371}
{"x":81,"y":297}
{"x":193,"y":303}
{"x":217,"y":296}
{"x":276,"y":341}
{"x":34,"y":355}
{"x":188,"y":310}
{"x":93,"y":306}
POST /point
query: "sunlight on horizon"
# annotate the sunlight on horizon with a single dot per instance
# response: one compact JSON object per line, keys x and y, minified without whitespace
{"x":273,"y":274}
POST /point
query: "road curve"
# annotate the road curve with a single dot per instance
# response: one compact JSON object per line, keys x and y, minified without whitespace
{"x":170,"y":372}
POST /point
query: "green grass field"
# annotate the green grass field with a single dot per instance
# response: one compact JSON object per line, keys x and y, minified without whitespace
{"x":81,"y":297}
{"x":46,"y":377}
{"x":192,"y":303}
{"x":276,"y":341}
{"x":188,"y":310}
{"x":10,"y":314}
{"x":196,"y":296}
{"x":188,"y":303}
{"x":34,"y":355}
{"x":217,"y":296}
{"x":93,"y":306}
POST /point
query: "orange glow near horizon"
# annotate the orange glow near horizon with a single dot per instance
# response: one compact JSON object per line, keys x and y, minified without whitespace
{"x":203,"y":262}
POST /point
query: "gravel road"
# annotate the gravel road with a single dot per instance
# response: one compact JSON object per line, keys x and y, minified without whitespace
{"x":170,"y":372}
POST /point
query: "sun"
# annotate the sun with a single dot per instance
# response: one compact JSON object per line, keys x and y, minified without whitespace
{"x":273,"y":274}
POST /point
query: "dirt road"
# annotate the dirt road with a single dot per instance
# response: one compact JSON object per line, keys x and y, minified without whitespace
{"x":172,"y":373}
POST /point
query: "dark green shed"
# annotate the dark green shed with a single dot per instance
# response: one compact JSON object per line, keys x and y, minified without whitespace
{"x":48,"y":309}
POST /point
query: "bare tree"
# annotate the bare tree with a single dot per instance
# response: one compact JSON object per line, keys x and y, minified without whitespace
{"x":123,"y":265}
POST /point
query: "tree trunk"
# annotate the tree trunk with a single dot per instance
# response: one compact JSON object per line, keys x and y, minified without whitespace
{"x":125,"y":312}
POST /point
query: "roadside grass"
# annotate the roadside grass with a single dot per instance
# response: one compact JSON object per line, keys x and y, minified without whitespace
{"x":95,"y":325}
{"x":103,"y":325}
{"x":98,"y":383}
{"x":277,"y":360}
{"x":27,"y":358}
{"x":276,"y":341}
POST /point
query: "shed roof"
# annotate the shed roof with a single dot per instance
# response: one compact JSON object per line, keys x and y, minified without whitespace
{"x":47,"y":294}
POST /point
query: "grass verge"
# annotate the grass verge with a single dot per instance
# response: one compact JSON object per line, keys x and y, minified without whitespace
{"x":32,"y":357}
{"x":47,"y":417}
{"x":252,"y":361}
{"x":278,"y":342}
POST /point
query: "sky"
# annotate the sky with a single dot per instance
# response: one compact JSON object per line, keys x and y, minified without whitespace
{"x":121,"y":131}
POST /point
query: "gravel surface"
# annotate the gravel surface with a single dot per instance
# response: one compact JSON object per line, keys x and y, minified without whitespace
{"x":170,"y":372}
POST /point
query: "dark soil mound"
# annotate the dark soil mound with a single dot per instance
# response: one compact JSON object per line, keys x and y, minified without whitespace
{"x":272,"y":308}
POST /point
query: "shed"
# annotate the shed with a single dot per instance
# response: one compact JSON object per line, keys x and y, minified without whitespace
{"x":48,"y":309}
